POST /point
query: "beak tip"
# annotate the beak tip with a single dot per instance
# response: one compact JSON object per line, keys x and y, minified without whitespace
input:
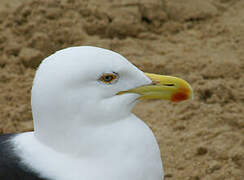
{"x":184,"y":94}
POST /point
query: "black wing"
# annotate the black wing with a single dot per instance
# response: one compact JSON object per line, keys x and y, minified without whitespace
{"x":10,"y":166}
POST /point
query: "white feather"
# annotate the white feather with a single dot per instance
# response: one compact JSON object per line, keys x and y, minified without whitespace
{"x":82,"y":129}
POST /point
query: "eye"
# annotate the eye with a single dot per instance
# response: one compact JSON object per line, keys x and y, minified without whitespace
{"x":108,"y":78}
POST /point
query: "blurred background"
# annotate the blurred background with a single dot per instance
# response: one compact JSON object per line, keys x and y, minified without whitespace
{"x":199,"y":41}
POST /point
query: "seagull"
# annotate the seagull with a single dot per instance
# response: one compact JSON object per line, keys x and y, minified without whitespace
{"x":84,"y":129}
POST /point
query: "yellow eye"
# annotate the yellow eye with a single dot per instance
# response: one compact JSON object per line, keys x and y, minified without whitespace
{"x":108,"y":78}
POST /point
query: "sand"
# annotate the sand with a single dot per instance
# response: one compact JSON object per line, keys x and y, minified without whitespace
{"x":200,"y":41}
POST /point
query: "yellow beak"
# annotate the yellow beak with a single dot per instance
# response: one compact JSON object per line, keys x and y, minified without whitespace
{"x":163,"y":87}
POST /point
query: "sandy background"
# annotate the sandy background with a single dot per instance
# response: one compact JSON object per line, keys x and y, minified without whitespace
{"x":200,"y":41}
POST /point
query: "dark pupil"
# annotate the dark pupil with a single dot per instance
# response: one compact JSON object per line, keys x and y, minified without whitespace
{"x":108,"y":78}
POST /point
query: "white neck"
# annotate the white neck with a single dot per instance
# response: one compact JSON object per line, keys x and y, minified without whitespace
{"x":122,"y":150}
{"x":75,"y":138}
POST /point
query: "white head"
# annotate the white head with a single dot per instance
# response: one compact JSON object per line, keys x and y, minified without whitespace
{"x":77,"y":88}
{"x":70,"y":90}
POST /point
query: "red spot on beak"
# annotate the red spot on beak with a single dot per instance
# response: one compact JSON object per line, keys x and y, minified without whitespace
{"x":180,"y":96}
{"x":177,"y":97}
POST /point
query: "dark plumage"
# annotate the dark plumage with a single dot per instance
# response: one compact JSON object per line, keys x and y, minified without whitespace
{"x":10,"y":166}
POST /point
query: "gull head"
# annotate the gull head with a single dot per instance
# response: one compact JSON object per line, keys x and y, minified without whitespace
{"x":90,"y":86}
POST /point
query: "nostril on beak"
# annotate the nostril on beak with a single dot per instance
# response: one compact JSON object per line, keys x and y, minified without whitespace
{"x":169,"y":84}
